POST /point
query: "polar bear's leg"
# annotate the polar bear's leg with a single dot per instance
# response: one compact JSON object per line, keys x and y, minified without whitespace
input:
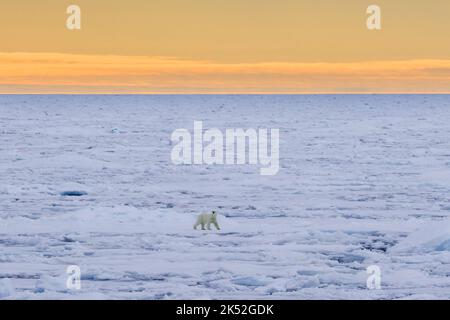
{"x":203,"y":225}
{"x":209,"y":226}
{"x":216,"y":225}
{"x":197,"y":223}
{"x":200,"y":221}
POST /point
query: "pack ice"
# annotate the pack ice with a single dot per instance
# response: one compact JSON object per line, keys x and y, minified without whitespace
{"x":88,"y":181}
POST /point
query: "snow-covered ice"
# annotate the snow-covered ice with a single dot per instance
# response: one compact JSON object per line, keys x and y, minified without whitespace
{"x":88,"y":181}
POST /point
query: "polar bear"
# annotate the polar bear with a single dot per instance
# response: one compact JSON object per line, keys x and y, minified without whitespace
{"x":208,"y":219}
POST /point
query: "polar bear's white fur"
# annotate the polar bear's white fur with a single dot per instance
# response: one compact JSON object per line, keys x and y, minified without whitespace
{"x":207,"y":219}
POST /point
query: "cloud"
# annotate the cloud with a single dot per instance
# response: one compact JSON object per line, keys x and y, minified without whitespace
{"x":72,"y":73}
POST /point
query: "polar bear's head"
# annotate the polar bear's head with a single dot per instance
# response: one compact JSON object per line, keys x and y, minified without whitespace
{"x":214,"y":213}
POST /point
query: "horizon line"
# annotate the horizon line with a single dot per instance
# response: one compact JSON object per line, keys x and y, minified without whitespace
{"x":51,"y":73}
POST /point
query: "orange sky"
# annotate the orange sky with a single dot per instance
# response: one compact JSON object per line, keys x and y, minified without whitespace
{"x":212,"y":46}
